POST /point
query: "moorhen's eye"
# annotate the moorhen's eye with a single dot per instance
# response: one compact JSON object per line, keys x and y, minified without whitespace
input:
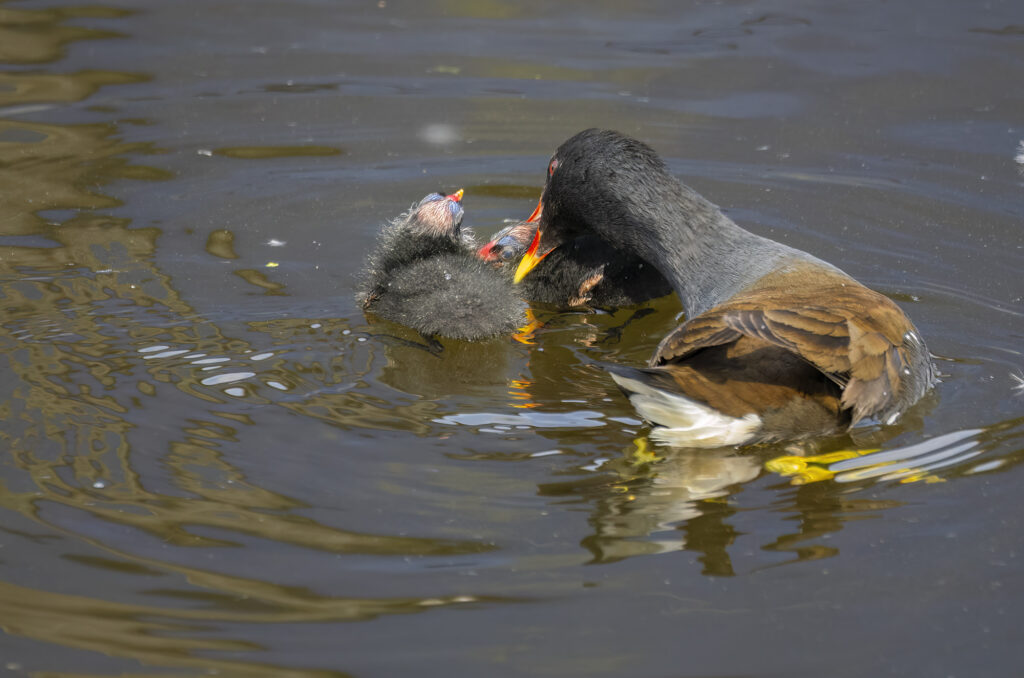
{"x":432,"y":197}
{"x":552,"y":166}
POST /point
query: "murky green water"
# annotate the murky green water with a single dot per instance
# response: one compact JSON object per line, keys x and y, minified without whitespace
{"x":211,"y":462}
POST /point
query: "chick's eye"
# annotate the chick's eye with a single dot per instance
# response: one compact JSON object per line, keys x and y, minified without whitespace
{"x":552,"y":166}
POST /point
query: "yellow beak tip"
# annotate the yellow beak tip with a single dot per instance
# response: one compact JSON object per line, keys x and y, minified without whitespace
{"x":525,"y":266}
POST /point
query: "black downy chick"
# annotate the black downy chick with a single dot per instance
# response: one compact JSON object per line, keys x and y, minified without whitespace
{"x":584,"y":272}
{"x":424,"y":274}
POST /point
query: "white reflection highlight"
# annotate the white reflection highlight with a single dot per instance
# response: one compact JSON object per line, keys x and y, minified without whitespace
{"x":227,"y":378}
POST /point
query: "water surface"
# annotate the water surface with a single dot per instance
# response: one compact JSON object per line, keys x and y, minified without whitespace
{"x":212,"y":462}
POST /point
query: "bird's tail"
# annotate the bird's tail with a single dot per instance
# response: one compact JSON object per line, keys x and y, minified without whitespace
{"x":682,"y":420}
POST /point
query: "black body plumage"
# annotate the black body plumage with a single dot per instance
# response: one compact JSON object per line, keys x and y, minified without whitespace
{"x":586,"y":271}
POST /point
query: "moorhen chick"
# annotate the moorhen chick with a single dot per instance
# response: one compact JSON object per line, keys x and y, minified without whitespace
{"x":424,"y":273}
{"x":777,"y":345}
{"x":583,"y":272}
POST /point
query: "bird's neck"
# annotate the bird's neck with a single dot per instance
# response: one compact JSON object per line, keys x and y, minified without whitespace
{"x":703,"y":254}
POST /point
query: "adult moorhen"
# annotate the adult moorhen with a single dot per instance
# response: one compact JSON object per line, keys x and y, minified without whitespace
{"x":586,"y":271}
{"x":424,"y":274}
{"x":777,"y":345}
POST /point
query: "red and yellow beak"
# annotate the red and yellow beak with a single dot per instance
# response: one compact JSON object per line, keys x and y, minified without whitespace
{"x":457,"y":195}
{"x":535,"y":215}
{"x":530,"y":259}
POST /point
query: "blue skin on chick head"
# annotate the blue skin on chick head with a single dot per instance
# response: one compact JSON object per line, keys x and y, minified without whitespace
{"x":440,"y":214}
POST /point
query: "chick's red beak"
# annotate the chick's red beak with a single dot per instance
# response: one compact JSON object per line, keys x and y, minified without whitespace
{"x":487,"y":252}
{"x":457,"y":195}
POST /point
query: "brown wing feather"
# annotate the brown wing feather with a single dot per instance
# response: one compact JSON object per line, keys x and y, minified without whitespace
{"x":857,"y":340}
{"x":700,"y":332}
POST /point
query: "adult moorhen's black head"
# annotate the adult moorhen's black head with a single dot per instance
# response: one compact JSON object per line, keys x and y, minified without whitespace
{"x":599,"y":182}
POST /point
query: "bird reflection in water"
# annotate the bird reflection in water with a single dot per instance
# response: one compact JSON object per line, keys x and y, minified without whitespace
{"x":663,"y":501}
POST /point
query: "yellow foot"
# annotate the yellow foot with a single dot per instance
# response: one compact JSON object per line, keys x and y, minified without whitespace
{"x":811,"y":469}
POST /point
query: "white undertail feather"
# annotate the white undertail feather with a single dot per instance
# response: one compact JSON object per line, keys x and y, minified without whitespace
{"x":686,"y":422}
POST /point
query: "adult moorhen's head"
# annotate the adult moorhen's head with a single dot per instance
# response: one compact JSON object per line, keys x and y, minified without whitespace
{"x":599,"y":182}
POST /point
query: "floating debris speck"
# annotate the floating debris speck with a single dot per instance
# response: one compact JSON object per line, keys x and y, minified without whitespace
{"x":439,"y":134}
